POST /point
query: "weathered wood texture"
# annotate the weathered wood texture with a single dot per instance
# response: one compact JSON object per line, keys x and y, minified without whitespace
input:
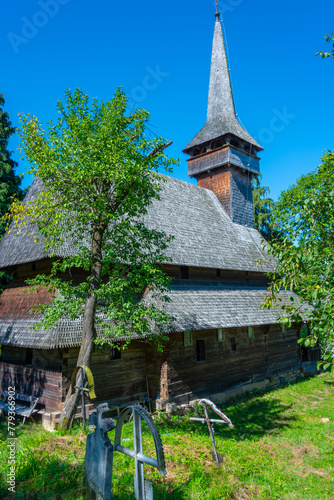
{"x":30,"y":269}
{"x":114,"y":378}
{"x":268,"y":353}
{"x":45,"y":384}
{"x":224,"y":276}
{"x":233,"y":189}
{"x":48,"y":359}
{"x":41,"y":377}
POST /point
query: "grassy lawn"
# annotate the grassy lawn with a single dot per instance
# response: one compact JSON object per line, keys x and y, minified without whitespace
{"x":282,"y":447}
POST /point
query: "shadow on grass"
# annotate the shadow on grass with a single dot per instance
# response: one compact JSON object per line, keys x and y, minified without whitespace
{"x":197,"y":483}
{"x":43,"y":478}
{"x":256,"y":417}
{"x":161,"y":491}
{"x":252,"y":418}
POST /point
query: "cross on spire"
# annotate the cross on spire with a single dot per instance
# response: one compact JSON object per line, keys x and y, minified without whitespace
{"x":217,"y":11}
{"x":221,"y":116}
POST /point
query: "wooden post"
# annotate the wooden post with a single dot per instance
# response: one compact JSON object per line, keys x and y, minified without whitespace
{"x":139,"y":466}
{"x":211,"y":431}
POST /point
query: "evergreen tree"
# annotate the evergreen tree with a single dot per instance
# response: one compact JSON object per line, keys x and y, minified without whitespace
{"x":263,"y":207}
{"x":9,"y":181}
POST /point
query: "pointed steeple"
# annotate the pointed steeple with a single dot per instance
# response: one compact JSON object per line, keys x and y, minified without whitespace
{"x":220,"y":102}
{"x":221,"y":116}
{"x":223,"y":156}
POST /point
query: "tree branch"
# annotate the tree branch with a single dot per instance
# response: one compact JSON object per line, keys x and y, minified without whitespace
{"x":159,"y":149}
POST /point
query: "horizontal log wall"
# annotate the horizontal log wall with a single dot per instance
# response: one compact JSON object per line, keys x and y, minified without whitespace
{"x":154,"y":361}
{"x":48,"y":359}
{"x":114,"y":378}
{"x":224,"y":276}
{"x":269,"y":352}
{"x":30,"y":269}
{"x":14,"y":355}
{"x":44,"y":384}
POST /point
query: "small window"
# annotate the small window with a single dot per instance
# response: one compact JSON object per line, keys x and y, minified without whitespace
{"x":233,"y":344}
{"x":184,"y":272}
{"x":200,"y":350}
{"x":251,"y":332}
{"x":218,"y":273}
{"x":188,"y":338}
{"x":115,"y":352}
{"x":221,"y":335}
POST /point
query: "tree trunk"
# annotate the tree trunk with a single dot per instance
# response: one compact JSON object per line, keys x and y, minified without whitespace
{"x":88,"y":330}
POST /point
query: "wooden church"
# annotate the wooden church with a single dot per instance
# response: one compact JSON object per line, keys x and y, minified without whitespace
{"x":222,"y":340}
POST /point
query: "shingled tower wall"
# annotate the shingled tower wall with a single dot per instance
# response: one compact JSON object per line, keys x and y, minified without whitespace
{"x":234,"y":191}
{"x":223,"y":156}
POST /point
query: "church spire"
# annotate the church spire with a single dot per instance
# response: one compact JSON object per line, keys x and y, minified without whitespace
{"x":221,"y":116}
{"x":220,"y":101}
{"x":223,"y":156}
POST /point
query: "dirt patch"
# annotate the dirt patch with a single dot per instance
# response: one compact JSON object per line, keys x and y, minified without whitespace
{"x":179,"y":466}
{"x":312,"y":470}
{"x":64,"y":444}
{"x":299,"y":452}
{"x":245,"y":493}
{"x":270,"y":449}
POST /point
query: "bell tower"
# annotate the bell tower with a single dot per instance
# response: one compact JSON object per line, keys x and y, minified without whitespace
{"x":223,"y":156}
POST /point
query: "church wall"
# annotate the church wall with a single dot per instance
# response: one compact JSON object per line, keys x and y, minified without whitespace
{"x":34,"y":372}
{"x":242,"y":357}
{"x":43,"y":383}
{"x":242,"y":197}
{"x":218,"y":181}
{"x":30,"y":269}
{"x":114,"y":378}
{"x":237,"y":360}
{"x":15,"y":355}
{"x":234,"y":191}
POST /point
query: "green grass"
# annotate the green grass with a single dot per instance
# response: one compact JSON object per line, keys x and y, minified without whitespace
{"x":282,"y":447}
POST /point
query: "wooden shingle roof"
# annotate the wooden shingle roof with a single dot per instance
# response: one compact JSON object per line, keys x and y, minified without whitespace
{"x":194,"y":305}
{"x":204,"y":235}
{"x":201,"y":306}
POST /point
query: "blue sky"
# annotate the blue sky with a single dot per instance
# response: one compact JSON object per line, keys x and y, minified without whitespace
{"x":160,"y":53}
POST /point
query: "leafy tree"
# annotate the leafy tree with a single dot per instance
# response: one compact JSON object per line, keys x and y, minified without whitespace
{"x":263,"y":207}
{"x":9,"y":181}
{"x":329,"y":38}
{"x":99,"y":171}
{"x":304,"y":215}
